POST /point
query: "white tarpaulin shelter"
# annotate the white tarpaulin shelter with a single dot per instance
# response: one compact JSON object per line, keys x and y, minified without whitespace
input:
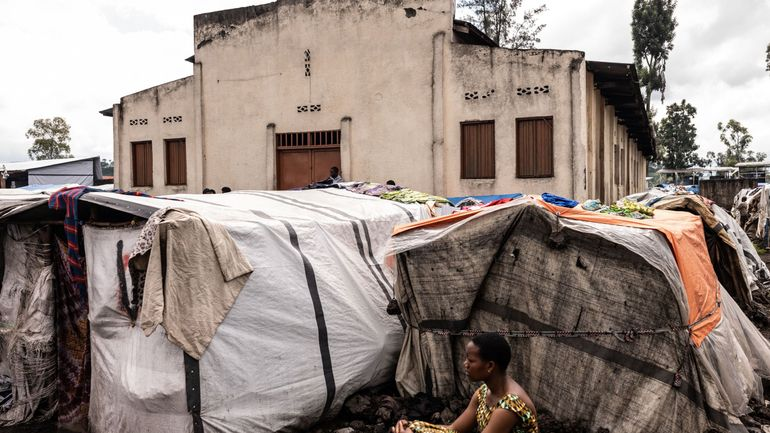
{"x":307,"y":330}
{"x":81,"y":171}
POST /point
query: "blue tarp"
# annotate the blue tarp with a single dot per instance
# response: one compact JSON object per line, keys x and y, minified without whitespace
{"x":484,"y":198}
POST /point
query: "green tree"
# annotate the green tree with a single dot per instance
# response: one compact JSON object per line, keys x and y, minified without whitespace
{"x":108,"y":167}
{"x":499,"y":19}
{"x":52,"y":137}
{"x":767,"y":58}
{"x":676,"y":136}
{"x":652,"y":31}
{"x":737,"y":139}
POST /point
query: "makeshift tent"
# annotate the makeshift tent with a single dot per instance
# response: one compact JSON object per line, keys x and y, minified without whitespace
{"x":27,"y":332}
{"x":735,"y":260}
{"x":308,"y":329}
{"x":599,"y":316}
{"x":81,"y":171}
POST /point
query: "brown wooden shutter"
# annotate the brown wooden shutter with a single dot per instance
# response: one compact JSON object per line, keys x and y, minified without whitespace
{"x":176,"y":162}
{"x":534,"y":147}
{"x":142,"y":163}
{"x":477,"y":150}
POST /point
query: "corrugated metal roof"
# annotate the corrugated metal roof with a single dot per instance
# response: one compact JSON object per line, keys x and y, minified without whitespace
{"x":30,"y":165}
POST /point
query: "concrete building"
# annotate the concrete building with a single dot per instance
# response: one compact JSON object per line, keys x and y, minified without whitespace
{"x":385,"y":90}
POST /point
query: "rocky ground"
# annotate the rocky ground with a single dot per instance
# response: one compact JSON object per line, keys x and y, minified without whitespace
{"x":376,"y":410}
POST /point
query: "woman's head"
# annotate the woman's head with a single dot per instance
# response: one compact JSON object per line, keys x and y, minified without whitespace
{"x":485,"y":354}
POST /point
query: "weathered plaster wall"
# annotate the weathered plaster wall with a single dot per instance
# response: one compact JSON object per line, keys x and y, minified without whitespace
{"x":496,"y":74}
{"x":371,"y":71}
{"x":615,"y":165}
{"x":139,"y":117}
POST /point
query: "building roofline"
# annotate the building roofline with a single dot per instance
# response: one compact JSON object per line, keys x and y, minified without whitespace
{"x":156,"y":86}
{"x":60,"y":161}
{"x":467,"y":33}
{"x":619,"y":85}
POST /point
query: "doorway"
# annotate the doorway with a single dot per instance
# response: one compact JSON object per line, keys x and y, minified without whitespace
{"x":305,"y":157}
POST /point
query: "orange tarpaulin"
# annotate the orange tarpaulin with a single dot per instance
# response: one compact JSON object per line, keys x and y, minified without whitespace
{"x":684,"y":232}
{"x":446,"y":219}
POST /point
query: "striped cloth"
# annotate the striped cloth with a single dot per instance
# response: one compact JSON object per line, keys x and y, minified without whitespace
{"x":66,"y":199}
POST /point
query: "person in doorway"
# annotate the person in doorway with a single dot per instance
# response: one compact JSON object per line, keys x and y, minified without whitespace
{"x":743,"y":211}
{"x":500,"y":405}
{"x":334,"y":177}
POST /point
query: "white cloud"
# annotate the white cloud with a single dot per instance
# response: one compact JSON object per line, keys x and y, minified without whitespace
{"x":74,"y":58}
{"x":717,"y":63}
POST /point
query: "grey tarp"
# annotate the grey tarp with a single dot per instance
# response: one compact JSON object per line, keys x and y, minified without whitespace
{"x":12,"y":204}
{"x":518,"y":267}
{"x":27,"y":334}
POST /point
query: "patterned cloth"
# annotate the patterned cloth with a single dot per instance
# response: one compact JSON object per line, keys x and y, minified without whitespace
{"x":147,"y":236}
{"x":426,"y":427}
{"x":67,"y":199}
{"x":74,"y":371}
{"x":509,"y":402}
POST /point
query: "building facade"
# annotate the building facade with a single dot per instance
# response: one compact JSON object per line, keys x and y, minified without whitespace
{"x":384,"y":90}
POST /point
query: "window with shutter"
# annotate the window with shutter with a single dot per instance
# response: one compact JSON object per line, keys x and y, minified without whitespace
{"x":477,"y":150}
{"x":534,"y":147}
{"x":176,"y":162}
{"x":141,"y":162}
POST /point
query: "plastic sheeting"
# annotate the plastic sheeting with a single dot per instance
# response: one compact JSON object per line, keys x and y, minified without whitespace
{"x":76,"y":172}
{"x":27,"y":334}
{"x":308,"y":329}
{"x":763,"y":215}
{"x":753,"y":269}
{"x":520,"y":268}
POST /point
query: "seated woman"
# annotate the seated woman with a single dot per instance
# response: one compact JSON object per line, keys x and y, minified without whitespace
{"x":500,"y":405}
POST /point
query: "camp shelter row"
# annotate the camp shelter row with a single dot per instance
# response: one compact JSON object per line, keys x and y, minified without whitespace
{"x":312,"y":312}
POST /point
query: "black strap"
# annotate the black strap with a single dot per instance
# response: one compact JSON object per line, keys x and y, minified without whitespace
{"x":192,"y":378}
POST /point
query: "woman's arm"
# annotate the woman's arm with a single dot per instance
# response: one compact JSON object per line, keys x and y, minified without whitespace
{"x":466,"y":422}
{"x":501,"y":421}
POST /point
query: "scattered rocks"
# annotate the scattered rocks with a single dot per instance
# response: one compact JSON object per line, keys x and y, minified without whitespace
{"x":376,"y":410}
{"x":358,"y":404}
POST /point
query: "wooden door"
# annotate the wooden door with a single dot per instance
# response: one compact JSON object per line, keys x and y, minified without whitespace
{"x":306,"y":157}
{"x":323,"y":160}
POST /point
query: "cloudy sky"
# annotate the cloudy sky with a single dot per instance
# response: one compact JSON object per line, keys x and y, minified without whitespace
{"x":73,"y":58}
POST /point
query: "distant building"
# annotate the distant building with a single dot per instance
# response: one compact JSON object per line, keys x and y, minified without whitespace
{"x":283,"y":91}
{"x":83,"y":171}
{"x":754,"y":170}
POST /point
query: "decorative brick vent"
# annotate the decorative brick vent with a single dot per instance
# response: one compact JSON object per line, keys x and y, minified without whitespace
{"x":469,"y":96}
{"x":307,"y":63}
{"x":524,"y":91}
{"x":172,"y":119}
{"x":137,"y":122}
{"x":308,"y":108}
